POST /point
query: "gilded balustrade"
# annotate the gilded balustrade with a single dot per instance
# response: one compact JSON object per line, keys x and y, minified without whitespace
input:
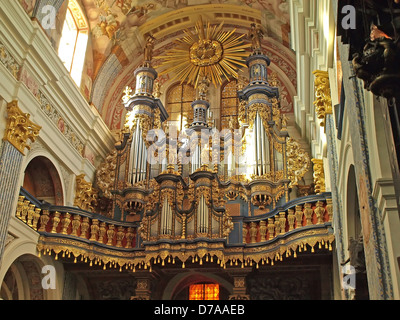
{"x":265,"y":240}
{"x":73,"y":226}
{"x":293,"y":219}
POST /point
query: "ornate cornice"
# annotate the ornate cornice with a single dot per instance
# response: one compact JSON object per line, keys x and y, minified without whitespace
{"x":19,"y":128}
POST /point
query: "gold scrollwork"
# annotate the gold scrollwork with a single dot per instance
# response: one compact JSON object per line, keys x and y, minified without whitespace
{"x":19,"y":128}
{"x":85,"y":194}
{"x":319,"y":176}
{"x":323,"y":101}
{"x":298,"y":161}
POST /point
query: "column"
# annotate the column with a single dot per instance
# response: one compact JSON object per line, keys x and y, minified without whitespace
{"x":143,"y":290}
{"x":239,"y":289}
{"x":18,"y":131}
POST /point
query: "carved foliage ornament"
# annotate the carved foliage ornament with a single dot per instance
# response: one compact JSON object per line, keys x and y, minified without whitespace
{"x":19,"y":128}
{"x":85,"y":194}
{"x":323,"y":101}
{"x":105,"y":175}
{"x":319,"y":175}
{"x":298,"y":161}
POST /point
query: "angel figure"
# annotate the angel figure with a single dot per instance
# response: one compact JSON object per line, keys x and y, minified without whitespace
{"x":256,"y":34}
{"x":148,"y":49}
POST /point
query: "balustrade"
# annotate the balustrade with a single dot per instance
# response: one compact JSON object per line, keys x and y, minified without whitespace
{"x":293,"y":219}
{"x":77,"y":225}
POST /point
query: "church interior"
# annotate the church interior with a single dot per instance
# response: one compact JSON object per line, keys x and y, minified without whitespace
{"x":199,"y":150}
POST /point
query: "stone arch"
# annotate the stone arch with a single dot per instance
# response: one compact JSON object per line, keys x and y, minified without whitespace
{"x":22,"y":281}
{"x":176,"y":286}
{"x":42,"y":180}
{"x":355,"y":239}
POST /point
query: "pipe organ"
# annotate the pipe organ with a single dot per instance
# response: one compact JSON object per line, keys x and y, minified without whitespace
{"x":202,"y":193}
{"x":205,"y":184}
{"x":177,"y":188}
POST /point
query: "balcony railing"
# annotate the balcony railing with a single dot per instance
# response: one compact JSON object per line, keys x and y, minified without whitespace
{"x":96,"y":239}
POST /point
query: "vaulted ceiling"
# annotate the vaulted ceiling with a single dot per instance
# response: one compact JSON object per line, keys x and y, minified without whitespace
{"x":119,"y":29}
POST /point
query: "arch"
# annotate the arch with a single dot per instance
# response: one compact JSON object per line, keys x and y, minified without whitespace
{"x":42,"y":180}
{"x":182,"y":281}
{"x":355,"y":238}
{"x":352,"y":206}
{"x":22,"y":280}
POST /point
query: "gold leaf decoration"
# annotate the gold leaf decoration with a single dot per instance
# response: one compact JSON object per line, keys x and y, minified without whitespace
{"x":208,"y":52}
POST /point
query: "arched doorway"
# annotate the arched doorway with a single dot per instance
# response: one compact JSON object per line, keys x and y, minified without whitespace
{"x":42,"y":181}
{"x":23,"y":280}
{"x":355,"y":236}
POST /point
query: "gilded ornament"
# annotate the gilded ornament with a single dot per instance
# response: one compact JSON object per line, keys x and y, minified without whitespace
{"x":298,"y":162}
{"x":208,"y":52}
{"x":299,"y":216}
{"x":76,"y":222}
{"x":319,"y":176}
{"x":319,"y":212}
{"x":105,"y":174}
{"x":323,"y":101}
{"x":84,"y":227}
{"x":127,"y":94}
{"x":308,"y":211}
{"x":19,"y":128}
{"x":263,"y":230}
{"x":227,"y":225}
{"x":44,"y":219}
{"x":291,"y":218}
{"x":94,"y":230}
{"x":271,"y":228}
{"x":36,"y":218}
{"x":256,"y":34}
{"x":85,"y":195}
{"x":65,"y":223}
{"x":56,"y":220}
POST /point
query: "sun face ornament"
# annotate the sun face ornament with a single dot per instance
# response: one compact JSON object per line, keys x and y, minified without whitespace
{"x":207,"y":52}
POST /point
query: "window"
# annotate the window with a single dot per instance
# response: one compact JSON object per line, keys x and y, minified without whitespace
{"x":229,"y":102}
{"x":204,"y":291}
{"x":179,"y":100}
{"x":74,"y":39}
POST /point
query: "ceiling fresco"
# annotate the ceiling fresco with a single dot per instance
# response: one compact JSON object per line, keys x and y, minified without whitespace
{"x":118,"y":29}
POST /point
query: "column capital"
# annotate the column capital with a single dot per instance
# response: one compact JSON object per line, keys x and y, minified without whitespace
{"x":19,"y":127}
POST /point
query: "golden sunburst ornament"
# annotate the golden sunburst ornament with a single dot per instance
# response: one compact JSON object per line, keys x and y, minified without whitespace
{"x":209,"y":51}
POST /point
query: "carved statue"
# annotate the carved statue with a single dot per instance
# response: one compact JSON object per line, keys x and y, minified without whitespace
{"x":378,"y":64}
{"x":256,"y":34}
{"x":148,"y":49}
{"x":356,"y":255}
{"x":203,"y":88}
